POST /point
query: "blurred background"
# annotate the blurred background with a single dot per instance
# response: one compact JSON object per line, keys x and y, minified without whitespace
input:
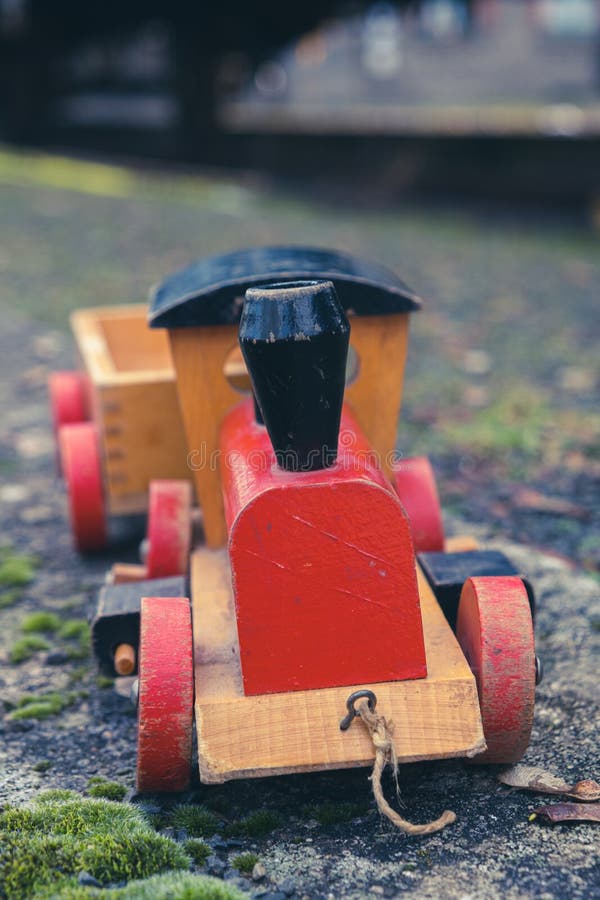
{"x":430,"y":93}
{"x":456,"y":141}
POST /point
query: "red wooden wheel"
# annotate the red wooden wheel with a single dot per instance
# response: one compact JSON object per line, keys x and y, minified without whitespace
{"x":166,"y":694}
{"x":495,"y":631}
{"x":414,"y":481}
{"x":80,"y":455}
{"x":68,"y":403}
{"x":169,"y":528}
{"x":68,"y":400}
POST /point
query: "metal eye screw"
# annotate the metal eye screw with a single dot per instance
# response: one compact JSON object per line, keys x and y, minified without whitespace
{"x":352,"y":713}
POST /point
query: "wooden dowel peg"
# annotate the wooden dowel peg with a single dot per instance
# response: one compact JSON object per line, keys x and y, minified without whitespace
{"x":124,"y":659}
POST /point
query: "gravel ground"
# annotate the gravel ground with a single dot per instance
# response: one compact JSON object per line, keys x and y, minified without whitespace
{"x":492,"y":850}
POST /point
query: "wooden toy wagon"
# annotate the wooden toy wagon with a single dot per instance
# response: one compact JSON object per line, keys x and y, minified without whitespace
{"x":324,"y":576}
{"x":120,"y":439}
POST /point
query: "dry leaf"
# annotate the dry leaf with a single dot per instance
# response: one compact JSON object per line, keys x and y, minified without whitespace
{"x":532,"y":778}
{"x":527,"y":498}
{"x":586,"y":790}
{"x":567,"y":812}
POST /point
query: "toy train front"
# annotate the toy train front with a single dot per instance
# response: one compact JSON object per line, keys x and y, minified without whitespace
{"x":319,"y":545}
{"x":320,"y":548}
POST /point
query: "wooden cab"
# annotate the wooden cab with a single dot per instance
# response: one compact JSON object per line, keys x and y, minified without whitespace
{"x":200,"y":308}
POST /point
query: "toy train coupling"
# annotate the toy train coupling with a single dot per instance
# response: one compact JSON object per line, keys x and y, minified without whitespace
{"x":352,"y":713}
{"x":324,"y":575}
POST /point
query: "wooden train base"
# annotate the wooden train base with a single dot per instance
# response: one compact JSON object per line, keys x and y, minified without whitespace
{"x":299,"y":731}
{"x":469,"y":699}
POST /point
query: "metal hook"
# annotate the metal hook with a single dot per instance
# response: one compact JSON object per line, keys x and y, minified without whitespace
{"x":352,"y":712}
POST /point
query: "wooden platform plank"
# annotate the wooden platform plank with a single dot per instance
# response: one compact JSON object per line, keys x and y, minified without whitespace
{"x":242,"y":737}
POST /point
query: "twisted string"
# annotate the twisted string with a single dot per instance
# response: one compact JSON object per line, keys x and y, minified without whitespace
{"x":382,"y":736}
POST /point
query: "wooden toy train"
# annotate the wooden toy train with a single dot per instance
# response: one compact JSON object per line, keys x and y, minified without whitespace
{"x":324,"y":570}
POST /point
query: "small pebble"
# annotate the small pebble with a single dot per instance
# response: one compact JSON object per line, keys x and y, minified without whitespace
{"x":56,"y":658}
{"x":233,"y":876}
{"x":34,"y":515}
{"x":87,"y":880}
{"x":215,"y":866}
{"x":477,"y":362}
{"x":259,"y":871}
{"x":13,"y":493}
{"x":22,"y":725}
{"x":47,"y":346}
{"x":35,"y":443}
{"x":217,"y":843}
{"x":288,"y":887}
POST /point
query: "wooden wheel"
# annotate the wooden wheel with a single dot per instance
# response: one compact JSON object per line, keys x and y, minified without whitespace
{"x":166,"y":694}
{"x":80,"y":455}
{"x":414,"y":481}
{"x":68,"y":401}
{"x":495,"y":631}
{"x":169,"y":528}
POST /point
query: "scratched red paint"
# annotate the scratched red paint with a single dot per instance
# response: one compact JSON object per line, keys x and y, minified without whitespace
{"x":166,"y":695}
{"x":323,"y":567}
{"x":495,"y":631}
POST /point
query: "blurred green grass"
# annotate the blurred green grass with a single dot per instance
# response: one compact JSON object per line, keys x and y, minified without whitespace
{"x":503,"y":358}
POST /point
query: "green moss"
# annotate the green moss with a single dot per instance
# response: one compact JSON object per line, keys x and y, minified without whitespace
{"x":44,"y":765}
{"x":257,"y":824}
{"x":77,"y":633}
{"x":103,"y":682}
{"x":78,"y":674}
{"x":197,"y":820}
{"x":55,"y":795}
{"x":75,"y":629}
{"x":108,"y":789}
{"x":335,"y":813}
{"x":176,"y":887}
{"x":171,"y":886}
{"x":118,"y":856}
{"x":245,"y":862}
{"x":16,"y":570}
{"x":42,"y":621}
{"x":10,"y":597}
{"x":56,"y":837}
{"x":70,"y":602}
{"x":158,"y":820}
{"x":515,"y":421}
{"x":26,"y":647}
{"x":41,"y":706}
{"x":79,"y":651}
{"x":197,"y":850}
{"x":27,"y":863}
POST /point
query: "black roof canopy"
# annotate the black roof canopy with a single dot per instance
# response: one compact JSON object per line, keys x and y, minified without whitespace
{"x":211,"y":291}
